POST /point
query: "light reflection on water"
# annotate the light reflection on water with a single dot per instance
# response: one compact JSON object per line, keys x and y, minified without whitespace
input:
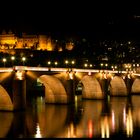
{"x":119,"y":116}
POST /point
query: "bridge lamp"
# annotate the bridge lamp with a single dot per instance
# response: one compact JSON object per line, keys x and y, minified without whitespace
{"x":23,"y":59}
{"x":73,"y":62}
{"x":66,"y":62}
{"x":12,"y":58}
{"x":55,"y":63}
{"x":106,"y":65}
{"x":90,"y":65}
{"x":101,"y":65}
{"x":49,"y":62}
{"x":4,"y":61}
{"x":112,"y":68}
{"x":115,"y":67}
{"x":85,"y":65}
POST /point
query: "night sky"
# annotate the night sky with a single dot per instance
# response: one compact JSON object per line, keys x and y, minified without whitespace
{"x":70,"y":17}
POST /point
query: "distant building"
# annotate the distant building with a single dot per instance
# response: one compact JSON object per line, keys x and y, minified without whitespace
{"x":9,"y":40}
{"x":45,"y":43}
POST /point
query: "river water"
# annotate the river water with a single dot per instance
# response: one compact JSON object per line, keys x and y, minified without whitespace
{"x":113,"y":117}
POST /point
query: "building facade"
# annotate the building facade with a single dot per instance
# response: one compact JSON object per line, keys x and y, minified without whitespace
{"x":9,"y":40}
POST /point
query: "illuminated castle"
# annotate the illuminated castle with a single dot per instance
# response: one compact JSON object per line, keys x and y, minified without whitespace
{"x":38,"y":42}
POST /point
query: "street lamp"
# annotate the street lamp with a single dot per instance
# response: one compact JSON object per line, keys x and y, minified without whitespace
{"x":106,"y":65}
{"x":12,"y":58}
{"x":115,"y":67}
{"x":90,"y":65}
{"x":66,"y":62}
{"x":73,"y":62}
{"x":55,"y":63}
{"x":4,"y":61}
{"x":101,"y":65}
{"x":49,"y":65}
{"x":23,"y":59}
{"x":49,"y":62}
{"x":85,"y":65}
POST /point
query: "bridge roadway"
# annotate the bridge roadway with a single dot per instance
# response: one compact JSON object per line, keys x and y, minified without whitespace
{"x":60,"y":84}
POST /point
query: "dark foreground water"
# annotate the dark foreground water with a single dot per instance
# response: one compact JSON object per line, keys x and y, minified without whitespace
{"x":115,"y":117}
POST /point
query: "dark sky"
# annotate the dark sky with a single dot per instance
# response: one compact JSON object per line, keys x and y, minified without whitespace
{"x":70,"y":17}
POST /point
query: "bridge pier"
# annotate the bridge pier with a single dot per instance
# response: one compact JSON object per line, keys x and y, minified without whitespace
{"x":19,"y":92}
{"x":104,"y":86}
{"x":128,"y":82}
{"x":70,"y":89}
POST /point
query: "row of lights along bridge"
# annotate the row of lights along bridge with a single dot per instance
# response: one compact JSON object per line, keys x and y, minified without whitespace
{"x":72,"y":64}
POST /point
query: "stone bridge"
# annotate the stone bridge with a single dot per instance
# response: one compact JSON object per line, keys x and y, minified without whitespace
{"x":61,"y":84}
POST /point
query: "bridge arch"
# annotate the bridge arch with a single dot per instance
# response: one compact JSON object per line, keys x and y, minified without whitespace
{"x":54,"y":89}
{"x":5,"y":100}
{"x":135,"y":86}
{"x":117,"y":87}
{"x":91,"y":88}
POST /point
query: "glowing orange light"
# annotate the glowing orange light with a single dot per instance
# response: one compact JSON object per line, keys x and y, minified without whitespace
{"x":90,"y":129}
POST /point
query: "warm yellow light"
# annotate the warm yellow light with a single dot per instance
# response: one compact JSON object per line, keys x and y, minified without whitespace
{"x":89,"y":73}
{"x":85,"y":65}
{"x":23,"y":58}
{"x":115,"y":67}
{"x":38,"y":132}
{"x":69,"y":46}
{"x":129,"y":124}
{"x":101,"y":64}
{"x":71,"y":75}
{"x":12,"y":58}
{"x":4,"y":59}
{"x":105,"y":128}
{"x":73,"y":62}
{"x":106,"y":65}
{"x":49,"y":62}
{"x":66,"y":62}
{"x":129,"y":66}
{"x":49,"y":46}
{"x":19,"y":75}
{"x":56,"y":63}
{"x":60,"y":49}
{"x":90,"y":65}
{"x":129,"y":76}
